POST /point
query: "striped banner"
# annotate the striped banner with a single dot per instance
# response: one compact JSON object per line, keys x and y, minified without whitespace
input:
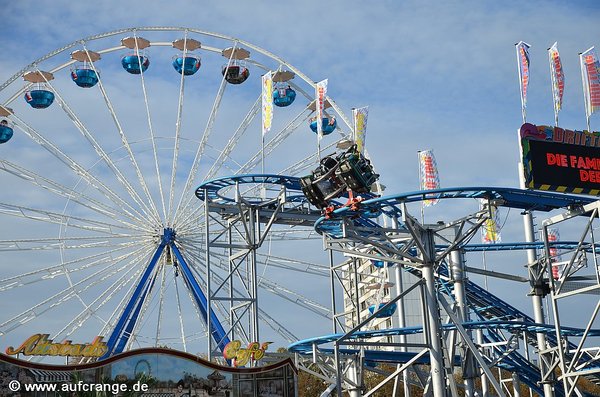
{"x":523,"y":65}
{"x":590,"y":71}
{"x":267,"y":102}
{"x":555,"y":259}
{"x":490,"y":230}
{"x":428,"y":171}
{"x":320,"y":95}
{"x":360,"y":127}
{"x":558,"y":79}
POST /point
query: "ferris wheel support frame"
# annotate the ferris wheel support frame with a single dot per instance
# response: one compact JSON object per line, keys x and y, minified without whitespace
{"x":121,"y":333}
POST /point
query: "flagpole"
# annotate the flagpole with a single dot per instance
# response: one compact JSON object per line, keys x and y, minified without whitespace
{"x":421,"y":187}
{"x":354,"y":125}
{"x":319,"y":145}
{"x":263,"y":153}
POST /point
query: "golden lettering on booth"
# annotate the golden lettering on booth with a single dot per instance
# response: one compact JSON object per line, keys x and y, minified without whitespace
{"x":41,"y":345}
{"x":241,"y":356}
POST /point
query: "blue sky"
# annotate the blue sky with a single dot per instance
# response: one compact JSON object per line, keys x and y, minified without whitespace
{"x":431,"y":72}
{"x":435,"y":75}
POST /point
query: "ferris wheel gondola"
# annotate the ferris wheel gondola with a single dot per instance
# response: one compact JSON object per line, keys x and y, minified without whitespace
{"x":83,"y":74}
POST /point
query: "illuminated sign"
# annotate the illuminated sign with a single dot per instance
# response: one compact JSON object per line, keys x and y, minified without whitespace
{"x":40,"y":345}
{"x":241,"y":356}
{"x":560,"y":160}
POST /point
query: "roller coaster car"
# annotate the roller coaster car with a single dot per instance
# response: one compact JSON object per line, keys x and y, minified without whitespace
{"x":356,"y":172}
{"x":347,"y":171}
{"x":322,"y":185}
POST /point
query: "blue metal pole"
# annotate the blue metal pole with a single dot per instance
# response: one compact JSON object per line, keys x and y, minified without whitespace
{"x":216,"y":329}
{"x":135,"y":297}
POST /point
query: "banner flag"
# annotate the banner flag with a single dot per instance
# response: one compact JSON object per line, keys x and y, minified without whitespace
{"x":490,"y":230}
{"x":555,"y":259}
{"x":429,"y":174}
{"x":523,"y":64}
{"x":267,"y":102}
{"x":558,"y":79}
{"x":360,"y":127}
{"x":590,"y":72}
{"x":320,"y":94}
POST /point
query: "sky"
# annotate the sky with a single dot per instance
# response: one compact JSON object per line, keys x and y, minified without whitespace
{"x":435,"y":75}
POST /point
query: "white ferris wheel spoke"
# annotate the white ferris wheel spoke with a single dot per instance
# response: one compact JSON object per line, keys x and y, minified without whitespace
{"x":68,"y":243}
{"x":91,"y":309}
{"x":98,"y":149}
{"x":70,"y":194}
{"x":59,"y":298}
{"x":75,"y":167}
{"x":178,"y":121}
{"x":224,"y":154}
{"x":279,"y":291}
{"x":277,"y":326}
{"x":152,"y":213}
{"x":181,"y":327}
{"x":114,"y":316}
{"x":154,"y":148}
{"x":294,"y":265}
{"x":46,"y":273}
{"x":205,"y":135}
{"x":59,"y":219}
{"x":160,"y":304}
{"x":296,"y":123}
{"x":235,"y":138}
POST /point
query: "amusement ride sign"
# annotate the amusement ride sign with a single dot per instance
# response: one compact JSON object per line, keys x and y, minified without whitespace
{"x":40,"y":345}
{"x":560,"y":160}
{"x":241,"y":356}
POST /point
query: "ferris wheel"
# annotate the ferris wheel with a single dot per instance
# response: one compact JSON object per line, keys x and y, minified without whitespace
{"x":104,"y":141}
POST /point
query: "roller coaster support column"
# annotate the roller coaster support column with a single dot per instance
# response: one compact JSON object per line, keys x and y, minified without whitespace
{"x":457,"y":263}
{"x":483,"y":379}
{"x":240,"y":235}
{"x":208,"y":271}
{"x":535,"y":276}
{"x":438,"y":379}
{"x":536,"y":272}
{"x":401,"y":322}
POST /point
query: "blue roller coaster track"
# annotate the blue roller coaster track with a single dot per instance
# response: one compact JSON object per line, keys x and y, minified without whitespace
{"x":493,"y":312}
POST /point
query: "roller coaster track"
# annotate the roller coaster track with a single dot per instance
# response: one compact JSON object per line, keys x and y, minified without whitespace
{"x":495,"y":313}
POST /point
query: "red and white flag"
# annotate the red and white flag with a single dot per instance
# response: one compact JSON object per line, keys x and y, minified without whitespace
{"x":555,"y":259}
{"x":523,"y":64}
{"x":430,"y":178}
{"x":320,"y":95}
{"x":558,"y":79}
{"x":590,"y":71}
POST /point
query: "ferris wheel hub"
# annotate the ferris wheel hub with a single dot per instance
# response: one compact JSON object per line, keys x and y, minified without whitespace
{"x":168,"y":236}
